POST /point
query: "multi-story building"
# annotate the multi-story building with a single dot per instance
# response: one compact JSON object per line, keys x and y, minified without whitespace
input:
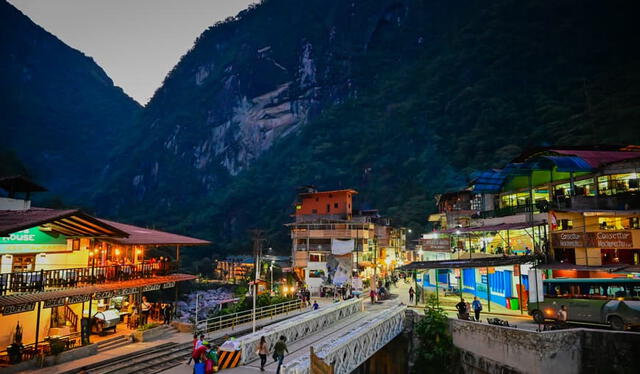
{"x":579,"y":207}
{"x":331,"y":245}
{"x":60,"y":266}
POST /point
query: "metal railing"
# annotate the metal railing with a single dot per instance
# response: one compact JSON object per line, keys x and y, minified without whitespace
{"x":35,"y":281}
{"x":235,"y":319}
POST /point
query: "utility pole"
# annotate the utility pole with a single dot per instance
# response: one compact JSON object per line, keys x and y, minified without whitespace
{"x":257,"y":248}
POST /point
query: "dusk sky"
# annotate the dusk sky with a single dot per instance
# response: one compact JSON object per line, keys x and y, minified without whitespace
{"x":136,"y":42}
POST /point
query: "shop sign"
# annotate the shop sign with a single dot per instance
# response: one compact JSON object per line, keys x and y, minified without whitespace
{"x":151,"y":287}
{"x":128,"y":291}
{"x":33,"y":236}
{"x":456,"y":271}
{"x":20,"y":308}
{"x":168,"y":285}
{"x":54,"y":302}
{"x":491,"y":270}
{"x":482,"y":271}
{"x":436,"y":244}
{"x":611,"y":239}
{"x":77,"y":299}
{"x":568,"y":240}
{"x":104,"y":294}
{"x":600,"y":239}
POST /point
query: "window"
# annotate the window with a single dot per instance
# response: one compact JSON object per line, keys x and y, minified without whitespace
{"x":610,"y":223}
{"x":330,"y":195}
{"x":316,"y":273}
{"x":314,"y":211}
{"x":317,"y":257}
{"x":317,"y":199}
{"x":566,"y":224}
{"x":23,"y":263}
{"x":328,"y":208}
{"x":335,"y":205}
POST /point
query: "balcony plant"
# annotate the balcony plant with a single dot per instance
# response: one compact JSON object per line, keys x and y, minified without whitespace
{"x":15,"y":349}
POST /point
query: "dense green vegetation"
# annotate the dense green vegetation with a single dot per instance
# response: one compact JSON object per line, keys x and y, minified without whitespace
{"x":488,"y":81}
{"x":409,"y":97}
{"x":61,"y":114}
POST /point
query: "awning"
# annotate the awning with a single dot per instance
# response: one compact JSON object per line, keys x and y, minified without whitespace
{"x":566,"y":266}
{"x":30,"y":298}
{"x":500,"y":227}
{"x":562,"y":163}
{"x":144,"y":236}
{"x":481,"y":262}
{"x":70,"y":222}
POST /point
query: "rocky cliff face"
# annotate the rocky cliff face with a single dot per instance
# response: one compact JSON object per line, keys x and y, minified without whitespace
{"x":247,"y":83}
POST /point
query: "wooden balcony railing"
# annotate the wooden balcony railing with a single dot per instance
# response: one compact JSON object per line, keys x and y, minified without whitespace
{"x":34,"y":281}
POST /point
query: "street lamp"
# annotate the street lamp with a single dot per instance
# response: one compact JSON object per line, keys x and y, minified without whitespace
{"x":271,"y":284}
{"x":255,"y":286}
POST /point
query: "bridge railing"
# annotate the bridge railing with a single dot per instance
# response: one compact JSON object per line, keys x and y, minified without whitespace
{"x":297,"y":328}
{"x":348,"y":351}
{"x":235,"y":319}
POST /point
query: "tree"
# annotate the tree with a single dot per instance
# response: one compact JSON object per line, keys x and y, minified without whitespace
{"x":436,"y":352}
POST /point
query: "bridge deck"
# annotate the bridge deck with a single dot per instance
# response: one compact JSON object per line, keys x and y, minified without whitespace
{"x":301,"y":347}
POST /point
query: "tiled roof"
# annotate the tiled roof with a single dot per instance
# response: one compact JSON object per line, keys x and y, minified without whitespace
{"x":143,"y":236}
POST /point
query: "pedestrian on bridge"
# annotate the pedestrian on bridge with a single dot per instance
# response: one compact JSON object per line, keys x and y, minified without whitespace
{"x":477,"y":307}
{"x":411,"y":293}
{"x":373,"y":294}
{"x":280,"y":348}
{"x":263,"y":351}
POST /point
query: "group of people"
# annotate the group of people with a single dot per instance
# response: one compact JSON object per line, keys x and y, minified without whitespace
{"x":205,"y":354}
{"x":464,"y":308}
{"x":139,"y":313}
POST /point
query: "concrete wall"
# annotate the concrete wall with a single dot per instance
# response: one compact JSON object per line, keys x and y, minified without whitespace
{"x":494,"y":349}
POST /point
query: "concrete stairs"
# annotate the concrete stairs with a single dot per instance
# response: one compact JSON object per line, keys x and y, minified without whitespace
{"x":115,"y":342}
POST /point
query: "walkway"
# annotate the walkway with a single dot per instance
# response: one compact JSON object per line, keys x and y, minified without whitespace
{"x":448,"y":304}
{"x":301,"y":347}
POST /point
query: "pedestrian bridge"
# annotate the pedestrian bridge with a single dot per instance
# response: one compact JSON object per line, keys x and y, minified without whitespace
{"x":343,"y":335}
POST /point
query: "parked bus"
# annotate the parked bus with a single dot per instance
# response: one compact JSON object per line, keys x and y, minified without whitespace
{"x":612,"y":301}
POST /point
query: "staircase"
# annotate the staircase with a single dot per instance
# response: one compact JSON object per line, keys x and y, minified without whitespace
{"x":71,"y":317}
{"x":115,"y":342}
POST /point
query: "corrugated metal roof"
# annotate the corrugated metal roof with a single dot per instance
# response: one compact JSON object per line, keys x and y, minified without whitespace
{"x":55,"y":294}
{"x":144,"y":236}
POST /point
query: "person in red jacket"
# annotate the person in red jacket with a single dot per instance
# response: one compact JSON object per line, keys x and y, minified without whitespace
{"x":197,"y":354}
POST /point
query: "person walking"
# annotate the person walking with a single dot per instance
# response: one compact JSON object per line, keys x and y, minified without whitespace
{"x":280,"y":349}
{"x":477,"y":307}
{"x":167,"y":312}
{"x":372,"y":294}
{"x":263,"y":351}
{"x":411,"y":293}
{"x":195,"y":342}
{"x":315,"y":305}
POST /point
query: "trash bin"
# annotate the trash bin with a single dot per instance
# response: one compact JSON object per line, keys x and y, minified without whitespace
{"x":515,"y":305}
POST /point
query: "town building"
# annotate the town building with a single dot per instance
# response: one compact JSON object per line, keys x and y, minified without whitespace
{"x":333,"y":246}
{"x":63,"y":271}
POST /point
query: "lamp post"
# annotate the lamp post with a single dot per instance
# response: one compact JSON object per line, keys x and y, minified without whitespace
{"x":197,"y":307}
{"x":271,"y":284}
{"x":255,"y":285}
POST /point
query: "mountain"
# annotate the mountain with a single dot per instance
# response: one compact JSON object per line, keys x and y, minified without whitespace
{"x":61,"y":114}
{"x":399,"y":99}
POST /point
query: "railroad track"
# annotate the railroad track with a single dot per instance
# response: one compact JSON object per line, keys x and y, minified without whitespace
{"x":149,"y":361}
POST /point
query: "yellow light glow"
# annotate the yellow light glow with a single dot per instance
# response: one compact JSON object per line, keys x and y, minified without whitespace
{"x":549,"y":311}
{"x":117,"y":251}
{"x":138,"y":251}
{"x":285,"y":289}
{"x":387,"y":261}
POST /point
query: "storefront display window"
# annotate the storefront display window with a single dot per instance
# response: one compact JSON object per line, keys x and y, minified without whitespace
{"x":618,"y":183}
